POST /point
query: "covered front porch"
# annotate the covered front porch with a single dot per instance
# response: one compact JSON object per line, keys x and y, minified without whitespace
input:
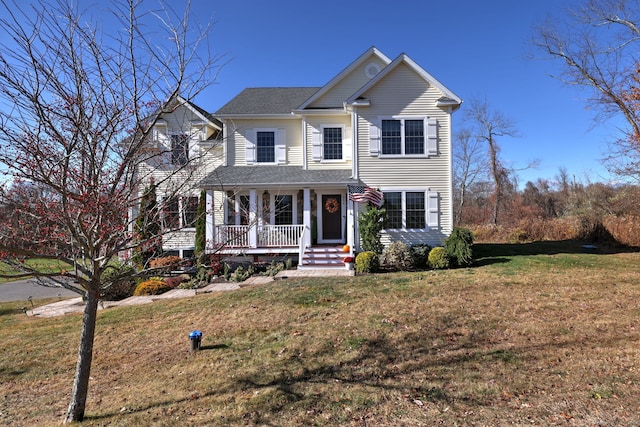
{"x":292,"y":212}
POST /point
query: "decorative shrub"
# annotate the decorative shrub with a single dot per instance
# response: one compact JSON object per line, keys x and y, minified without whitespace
{"x":367,"y":262}
{"x":152,"y":286}
{"x":371,"y":222}
{"x":173,"y":281}
{"x":439,"y":258}
{"x":166,"y":261}
{"x":419,"y":255}
{"x":274,"y":268}
{"x":459,"y":246}
{"x":118,"y":282}
{"x":397,"y":256}
{"x":241,"y":274}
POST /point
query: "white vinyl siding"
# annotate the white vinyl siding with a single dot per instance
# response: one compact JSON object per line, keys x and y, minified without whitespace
{"x":241,"y":137}
{"x":406,"y":94}
{"x":347,"y":86}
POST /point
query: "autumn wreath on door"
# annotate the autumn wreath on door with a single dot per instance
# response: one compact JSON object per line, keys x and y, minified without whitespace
{"x":331,"y":205}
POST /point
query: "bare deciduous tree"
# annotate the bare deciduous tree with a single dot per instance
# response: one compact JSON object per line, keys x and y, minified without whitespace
{"x":488,"y":126}
{"x":597,"y":44}
{"x":78,"y":101}
{"x":469,"y":165}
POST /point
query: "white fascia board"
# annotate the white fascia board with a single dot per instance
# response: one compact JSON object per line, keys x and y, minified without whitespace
{"x":320,"y":112}
{"x":256,"y":116}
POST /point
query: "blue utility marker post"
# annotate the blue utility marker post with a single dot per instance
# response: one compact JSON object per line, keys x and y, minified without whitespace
{"x":195,"y":337}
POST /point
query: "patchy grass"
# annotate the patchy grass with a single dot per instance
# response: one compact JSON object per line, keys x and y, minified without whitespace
{"x":524,"y":338}
{"x":43,"y":265}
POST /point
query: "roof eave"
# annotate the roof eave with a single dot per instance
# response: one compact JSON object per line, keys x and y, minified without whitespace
{"x":257,"y":116}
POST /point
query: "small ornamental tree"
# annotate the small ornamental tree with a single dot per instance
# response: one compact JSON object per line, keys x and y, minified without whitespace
{"x":459,"y":246}
{"x":79,"y":100}
{"x":201,"y":227}
{"x":147,"y":228}
{"x":371,"y":222}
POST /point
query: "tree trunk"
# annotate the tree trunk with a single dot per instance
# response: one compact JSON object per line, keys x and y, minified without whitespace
{"x":75,"y":411}
{"x":496,"y":179}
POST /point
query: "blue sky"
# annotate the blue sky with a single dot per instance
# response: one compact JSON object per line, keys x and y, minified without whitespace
{"x":478,"y":49}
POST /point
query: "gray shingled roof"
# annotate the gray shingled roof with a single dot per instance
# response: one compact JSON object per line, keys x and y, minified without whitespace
{"x":274,"y":176}
{"x":267,"y":100}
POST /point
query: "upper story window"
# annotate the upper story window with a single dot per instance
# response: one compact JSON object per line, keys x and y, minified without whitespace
{"x":332,"y":141}
{"x":265,"y":147}
{"x":404,"y":136}
{"x":179,"y":149}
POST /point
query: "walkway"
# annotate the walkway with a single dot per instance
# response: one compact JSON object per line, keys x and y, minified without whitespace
{"x":76,"y":305}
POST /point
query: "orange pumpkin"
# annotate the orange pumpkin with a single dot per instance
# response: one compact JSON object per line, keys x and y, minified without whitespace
{"x":346,"y":248}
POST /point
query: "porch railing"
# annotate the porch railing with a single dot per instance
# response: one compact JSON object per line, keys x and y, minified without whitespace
{"x":235,"y":236}
{"x":279,"y":235}
{"x":238,"y":236}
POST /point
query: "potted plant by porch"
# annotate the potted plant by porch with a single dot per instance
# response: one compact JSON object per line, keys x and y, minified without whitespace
{"x":348,"y":262}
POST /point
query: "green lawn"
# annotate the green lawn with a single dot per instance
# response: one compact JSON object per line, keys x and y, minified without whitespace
{"x":43,"y":265}
{"x":538,"y":334}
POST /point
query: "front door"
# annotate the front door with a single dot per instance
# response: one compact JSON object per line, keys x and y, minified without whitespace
{"x":331,"y":218}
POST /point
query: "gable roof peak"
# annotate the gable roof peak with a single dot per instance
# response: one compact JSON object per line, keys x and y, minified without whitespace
{"x":372,"y":51}
{"x":452,"y":98}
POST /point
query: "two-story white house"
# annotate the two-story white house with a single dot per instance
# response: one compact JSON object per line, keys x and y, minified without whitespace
{"x":291,"y":156}
{"x":185,"y":146}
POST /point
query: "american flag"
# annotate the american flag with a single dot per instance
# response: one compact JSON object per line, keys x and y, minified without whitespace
{"x":364,"y":194}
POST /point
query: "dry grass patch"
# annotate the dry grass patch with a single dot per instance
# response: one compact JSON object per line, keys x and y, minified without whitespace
{"x":545,"y":339}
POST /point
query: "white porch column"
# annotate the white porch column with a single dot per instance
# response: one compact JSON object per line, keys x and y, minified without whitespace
{"x":306,"y":216}
{"x":351,"y":221}
{"x":253,"y":219}
{"x":210,"y":233}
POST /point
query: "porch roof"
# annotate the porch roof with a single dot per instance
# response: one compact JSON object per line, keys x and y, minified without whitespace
{"x":276,"y":176}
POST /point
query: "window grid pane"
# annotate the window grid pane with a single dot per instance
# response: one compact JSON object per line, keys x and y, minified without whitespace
{"x":190,"y":211}
{"x":284,"y":210}
{"x":244,"y":209}
{"x":265,"y":145}
{"x":391,"y":137}
{"x":415,"y":210}
{"x":172,"y":214}
{"x":179,"y":149}
{"x":393,"y":206}
{"x":333,"y":143}
{"x":414,"y":136}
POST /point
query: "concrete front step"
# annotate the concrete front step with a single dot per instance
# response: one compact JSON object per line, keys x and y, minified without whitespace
{"x":323,"y":257}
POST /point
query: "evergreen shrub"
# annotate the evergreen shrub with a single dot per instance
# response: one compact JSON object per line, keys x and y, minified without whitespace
{"x":439,"y":258}
{"x":459,"y":246}
{"x":367,"y":262}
